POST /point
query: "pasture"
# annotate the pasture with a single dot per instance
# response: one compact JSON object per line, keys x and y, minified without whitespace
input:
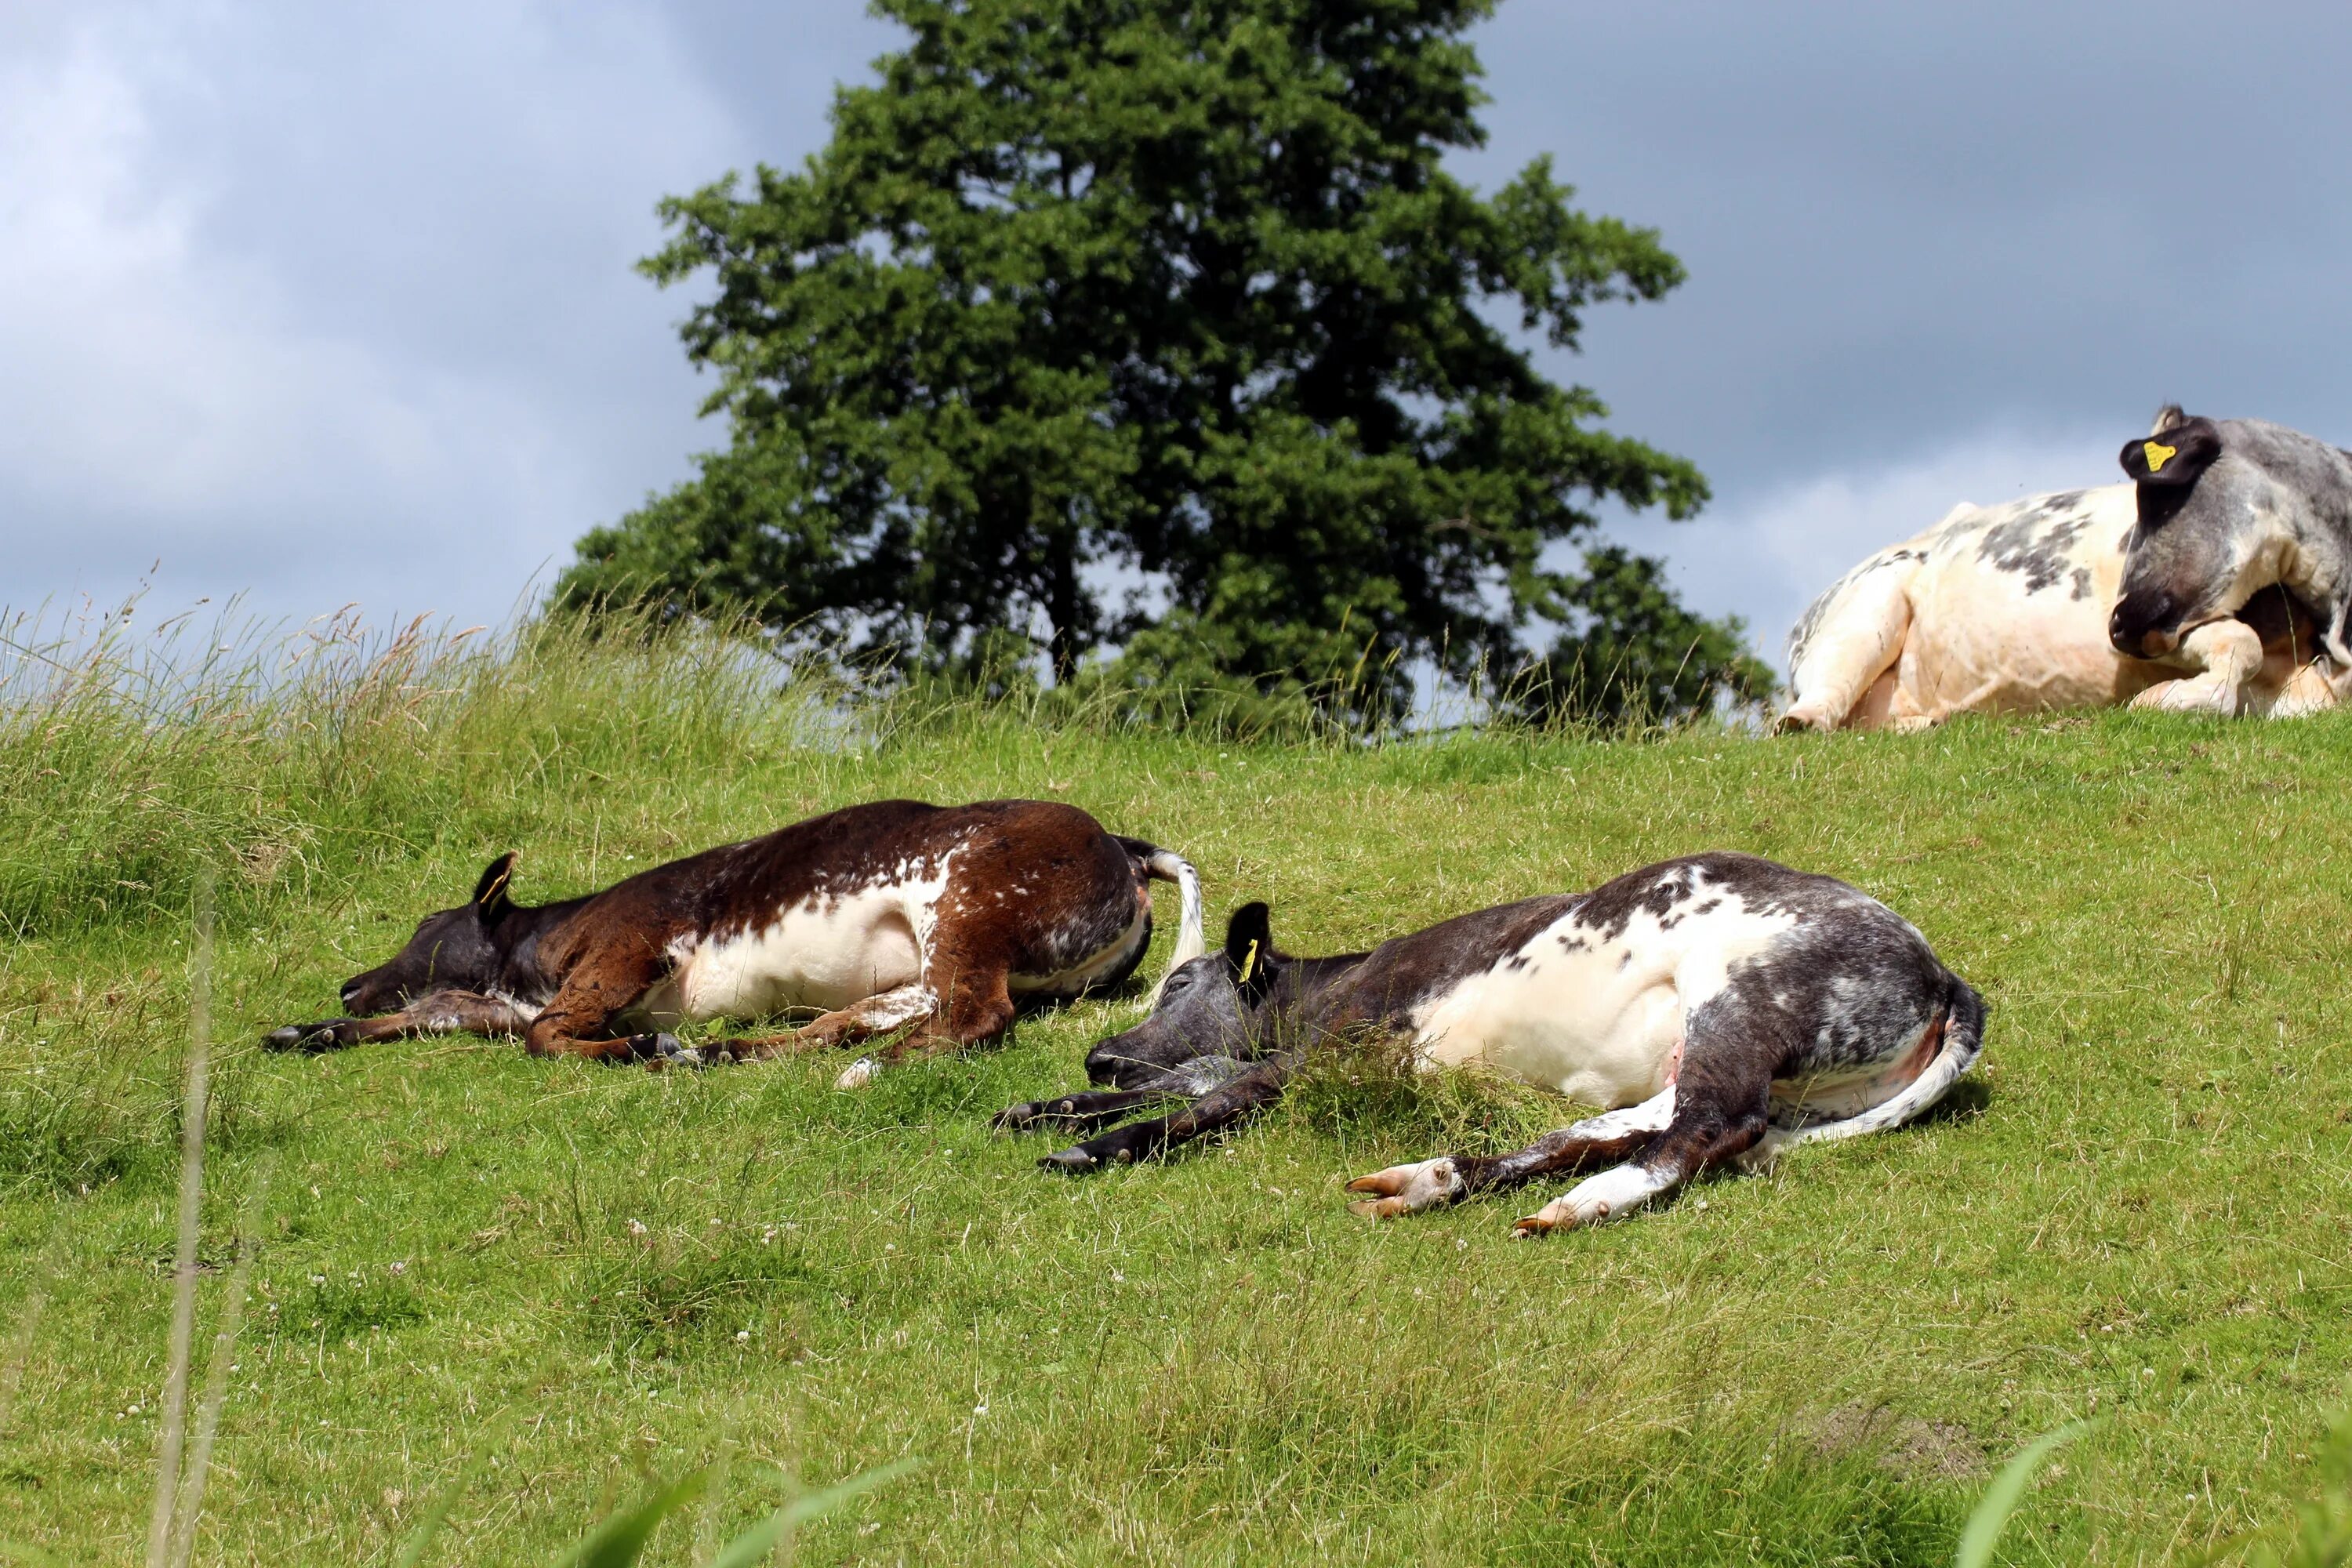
{"x":549,"y":1281}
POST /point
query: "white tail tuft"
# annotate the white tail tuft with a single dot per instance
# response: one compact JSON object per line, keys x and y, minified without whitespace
{"x":1170,"y":866}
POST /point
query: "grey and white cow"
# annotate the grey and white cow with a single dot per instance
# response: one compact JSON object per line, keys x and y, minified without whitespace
{"x":2227,"y":511}
{"x":2014,"y":608}
{"x":1721,"y":1008}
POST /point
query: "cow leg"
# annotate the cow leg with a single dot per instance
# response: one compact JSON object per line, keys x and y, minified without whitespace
{"x":1409,"y":1189}
{"x":2227,"y":654}
{"x":979,"y":1006}
{"x":1089,"y":1110}
{"x":578,"y":1022}
{"x":1859,"y":639}
{"x":1260,"y":1085}
{"x":2310,"y":689}
{"x":1872,"y":710}
{"x":1720,"y":1106}
{"x":439,"y":1013}
{"x":877,"y":1015}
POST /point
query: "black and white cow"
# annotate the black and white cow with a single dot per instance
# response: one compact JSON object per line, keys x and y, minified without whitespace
{"x":1722,"y":1007}
{"x":875,"y":917}
{"x":2227,"y":511}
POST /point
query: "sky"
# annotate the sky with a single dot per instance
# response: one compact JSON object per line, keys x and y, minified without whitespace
{"x":332,"y":305}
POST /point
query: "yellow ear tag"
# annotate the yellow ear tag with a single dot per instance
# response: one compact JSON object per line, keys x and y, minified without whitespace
{"x":2158,"y":454}
{"x":1249,"y":961}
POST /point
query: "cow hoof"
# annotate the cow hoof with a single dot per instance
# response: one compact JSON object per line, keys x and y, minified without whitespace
{"x":311,"y":1037}
{"x":857,"y":1073}
{"x":1406,"y":1189}
{"x":2197,"y":694}
{"x":1560,"y":1214}
{"x":669,"y":1048}
{"x":1015,"y":1118}
{"x":1071,"y":1159}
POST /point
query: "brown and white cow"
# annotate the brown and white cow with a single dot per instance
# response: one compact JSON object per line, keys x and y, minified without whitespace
{"x":2007,"y":610}
{"x":876,"y":916}
{"x":1724,"y":1006}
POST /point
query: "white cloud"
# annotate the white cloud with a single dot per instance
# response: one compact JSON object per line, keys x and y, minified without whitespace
{"x":1765,"y":557}
{"x":324,"y":311}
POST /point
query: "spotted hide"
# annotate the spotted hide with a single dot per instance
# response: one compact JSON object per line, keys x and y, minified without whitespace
{"x":1720,"y":1008}
{"x":2007,"y":610}
{"x":876,"y":918}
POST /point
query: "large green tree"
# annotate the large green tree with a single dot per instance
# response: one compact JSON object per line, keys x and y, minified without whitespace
{"x":1181,"y":286}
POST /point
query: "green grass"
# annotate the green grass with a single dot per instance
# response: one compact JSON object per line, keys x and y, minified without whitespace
{"x":569,"y":1279}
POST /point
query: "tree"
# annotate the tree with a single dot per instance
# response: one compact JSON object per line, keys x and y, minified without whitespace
{"x":1637,"y":655}
{"x":1175,"y":286}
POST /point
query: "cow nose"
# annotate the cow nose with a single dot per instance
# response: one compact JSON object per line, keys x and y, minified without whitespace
{"x":2138,"y":626}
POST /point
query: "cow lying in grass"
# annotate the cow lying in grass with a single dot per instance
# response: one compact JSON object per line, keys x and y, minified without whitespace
{"x":881,"y":915}
{"x":1725,"y":1007}
{"x":2026,"y":605}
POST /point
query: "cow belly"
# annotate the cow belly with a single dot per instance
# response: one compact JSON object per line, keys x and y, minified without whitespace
{"x":1976,"y":644}
{"x":1615,"y":1048}
{"x":824,"y":955}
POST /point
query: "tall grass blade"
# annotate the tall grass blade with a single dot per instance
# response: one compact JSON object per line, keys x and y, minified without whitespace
{"x":706,"y":1529}
{"x":2001,"y":1498}
{"x":428,"y":1523}
{"x":621,"y":1539}
{"x":754,"y":1545}
{"x":192,"y":1195}
{"x":216,"y":1371}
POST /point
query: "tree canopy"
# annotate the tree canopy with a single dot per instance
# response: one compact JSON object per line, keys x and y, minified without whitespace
{"x":1158,"y":325}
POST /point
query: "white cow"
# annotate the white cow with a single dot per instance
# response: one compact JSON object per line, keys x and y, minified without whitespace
{"x":2006,"y":609}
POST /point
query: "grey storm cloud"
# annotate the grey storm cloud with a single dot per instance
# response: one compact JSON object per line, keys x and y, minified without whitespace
{"x":328,"y":304}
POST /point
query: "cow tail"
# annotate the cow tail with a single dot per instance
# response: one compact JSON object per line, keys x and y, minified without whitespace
{"x":1167,"y":866}
{"x":1963,"y":1024}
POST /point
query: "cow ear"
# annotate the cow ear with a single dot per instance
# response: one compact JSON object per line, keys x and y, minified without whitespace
{"x":1249,"y":948}
{"x":2174,"y":458}
{"x":490,"y":893}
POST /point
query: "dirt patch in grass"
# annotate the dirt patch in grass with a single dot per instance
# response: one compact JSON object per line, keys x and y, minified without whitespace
{"x":1906,"y":1444}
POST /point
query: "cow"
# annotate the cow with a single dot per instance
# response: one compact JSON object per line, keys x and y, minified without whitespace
{"x":2008,"y":609}
{"x":876,"y":916}
{"x":2227,"y":512}
{"x":1719,"y":1008}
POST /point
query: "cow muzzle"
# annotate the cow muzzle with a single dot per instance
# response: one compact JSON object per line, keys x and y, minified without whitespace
{"x":2144,"y":624}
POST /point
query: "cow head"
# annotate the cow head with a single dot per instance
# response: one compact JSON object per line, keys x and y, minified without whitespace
{"x":1213,"y":1006}
{"x":2223,"y":506}
{"x":453,"y":950}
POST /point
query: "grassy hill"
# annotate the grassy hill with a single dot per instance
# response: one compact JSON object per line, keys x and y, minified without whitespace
{"x":568,"y":1278}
